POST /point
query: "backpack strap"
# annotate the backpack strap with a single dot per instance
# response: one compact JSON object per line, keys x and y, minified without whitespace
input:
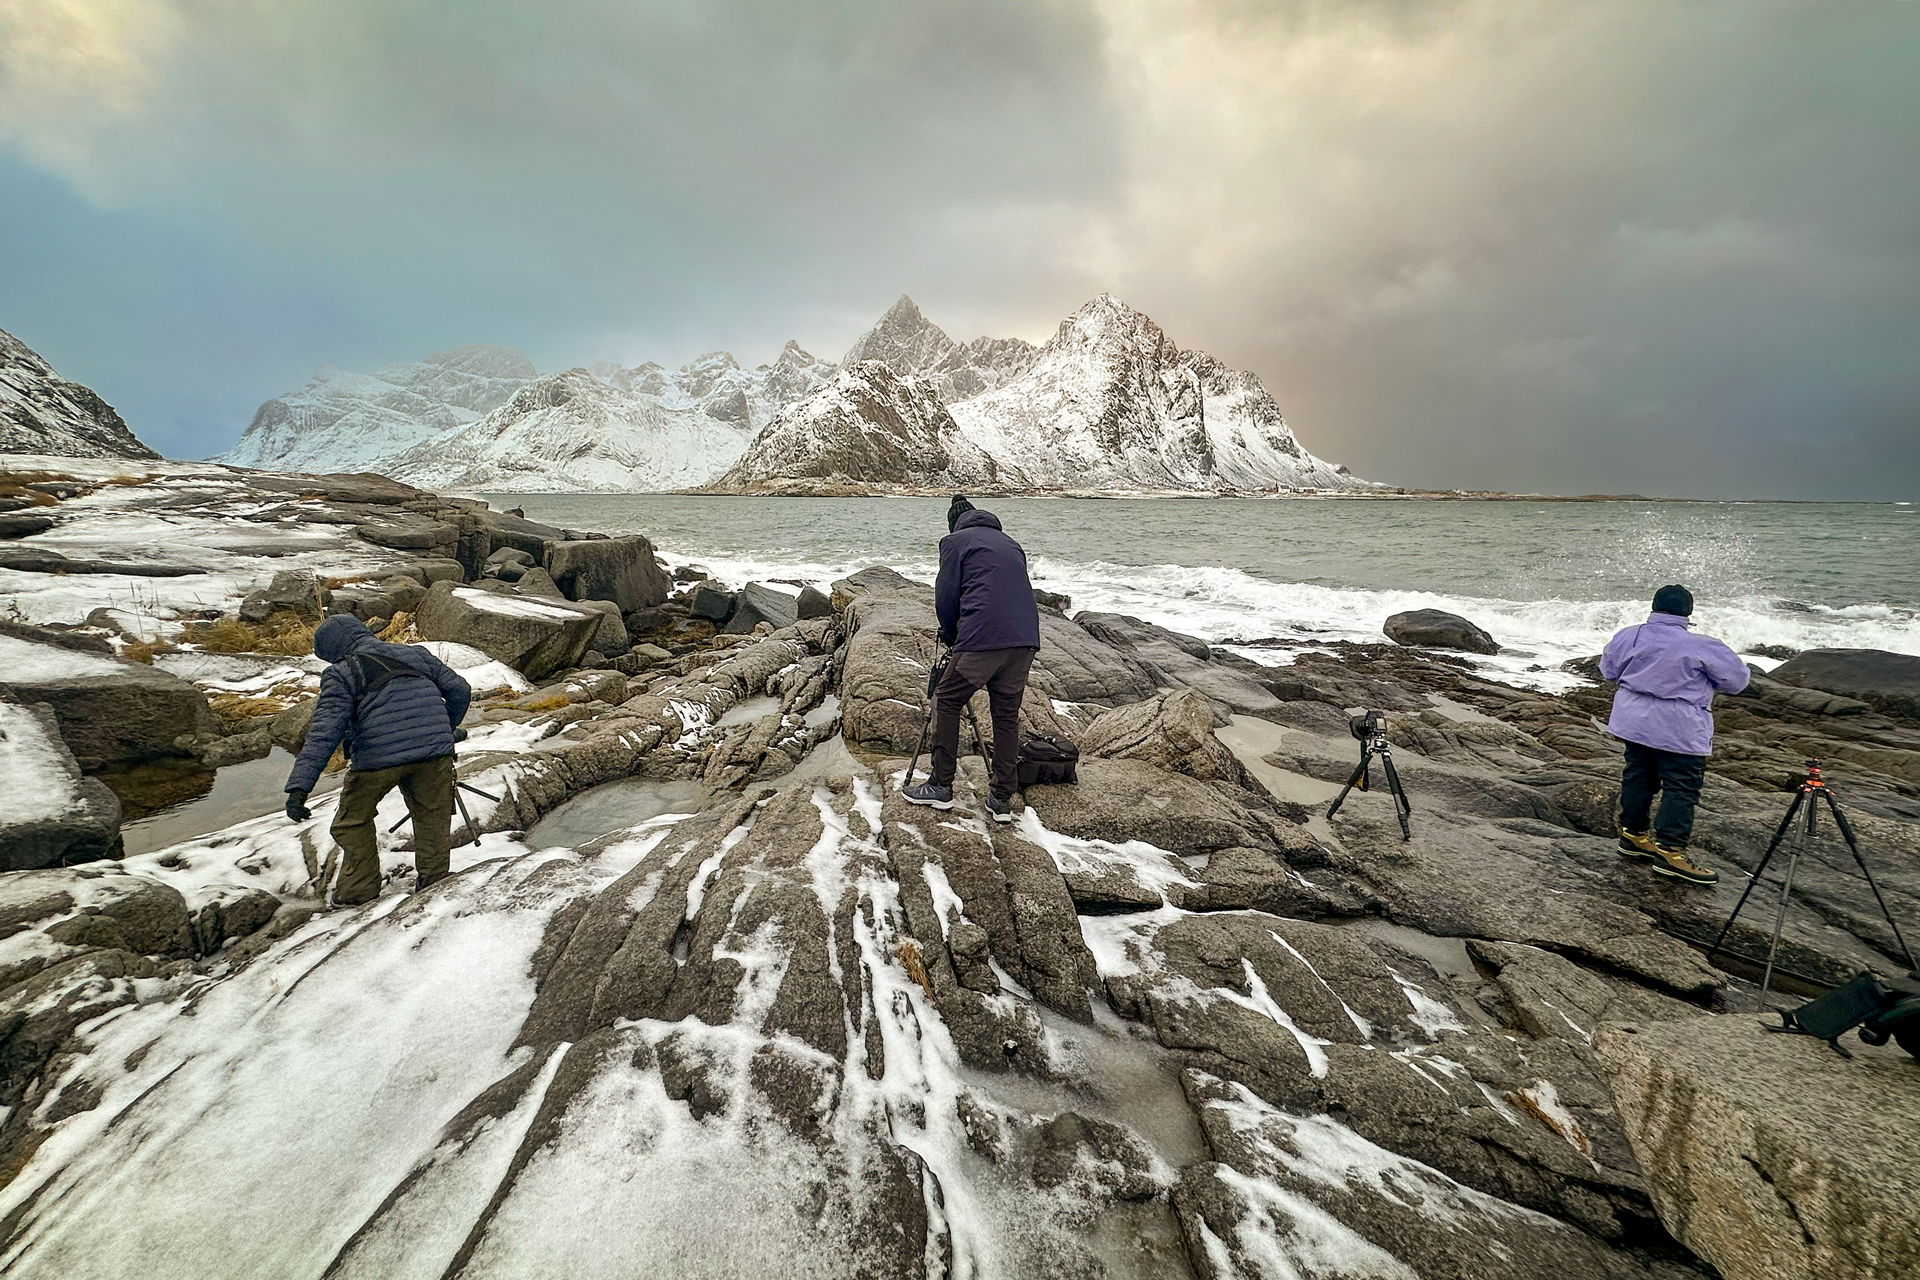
{"x":376,"y":672}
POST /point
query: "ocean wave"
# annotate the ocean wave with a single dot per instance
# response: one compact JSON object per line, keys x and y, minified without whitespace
{"x":1220,"y":602}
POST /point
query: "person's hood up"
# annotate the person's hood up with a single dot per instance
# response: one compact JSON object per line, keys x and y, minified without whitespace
{"x":977,"y":519}
{"x":338,"y":636}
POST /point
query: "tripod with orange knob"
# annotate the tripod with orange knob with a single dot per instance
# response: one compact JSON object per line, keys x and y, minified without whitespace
{"x":1813,"y":789}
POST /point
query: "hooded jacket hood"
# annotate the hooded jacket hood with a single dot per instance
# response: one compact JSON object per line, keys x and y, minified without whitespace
{"x":977,"y":519}
{"x":335,"y":638}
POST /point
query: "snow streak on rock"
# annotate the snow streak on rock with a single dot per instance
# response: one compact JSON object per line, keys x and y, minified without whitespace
{"x":41,"y":412}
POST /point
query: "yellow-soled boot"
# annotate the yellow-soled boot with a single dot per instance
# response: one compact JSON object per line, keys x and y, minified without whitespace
{"x":1638,"y":844}
{"x":1672,"y":860}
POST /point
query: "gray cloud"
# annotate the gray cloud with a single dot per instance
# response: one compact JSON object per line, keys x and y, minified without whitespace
{"x":1617,"y":247}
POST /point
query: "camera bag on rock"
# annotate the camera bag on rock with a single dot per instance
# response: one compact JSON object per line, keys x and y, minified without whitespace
{"x":1883,"y":1008}
{"x":1046,"y":759}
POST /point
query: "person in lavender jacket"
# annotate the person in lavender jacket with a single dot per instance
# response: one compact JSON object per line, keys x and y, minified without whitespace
{"x":1663,"y":712}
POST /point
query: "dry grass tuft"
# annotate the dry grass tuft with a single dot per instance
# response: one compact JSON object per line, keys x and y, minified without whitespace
{"x":401,"y":630}
{"x":909,"y":956}
{"x":334,"y":584}
{"x":143,"y":650}
{"x":283,"y":633}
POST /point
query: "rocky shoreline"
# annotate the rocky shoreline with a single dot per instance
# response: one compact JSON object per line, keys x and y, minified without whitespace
{"x":1172,"y":1022}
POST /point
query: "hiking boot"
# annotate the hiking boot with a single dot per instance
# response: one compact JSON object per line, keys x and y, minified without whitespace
{"x":929,"y":794}
{"x":1672,"y":860}
{"x":422,"y":883}
{"x":1000,"y":809}
{"x":1637,"y":844}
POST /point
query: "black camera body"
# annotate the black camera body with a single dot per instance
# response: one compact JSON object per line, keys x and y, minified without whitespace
{"x":1370,"y":724}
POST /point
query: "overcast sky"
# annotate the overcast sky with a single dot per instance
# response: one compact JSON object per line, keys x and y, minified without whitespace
{"x":1655,"y":247}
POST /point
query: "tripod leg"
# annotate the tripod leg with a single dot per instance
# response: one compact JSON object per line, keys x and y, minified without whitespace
{"x":1853,"y":846}
{"x":1798,"y":798}
{"x":1402,"y":806}
{"x":473,"y":832}
{"x":1358,"y":778}
{"x":1805,"y":843}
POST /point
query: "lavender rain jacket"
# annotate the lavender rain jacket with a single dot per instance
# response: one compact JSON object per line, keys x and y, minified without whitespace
{"x":1667,"y":678}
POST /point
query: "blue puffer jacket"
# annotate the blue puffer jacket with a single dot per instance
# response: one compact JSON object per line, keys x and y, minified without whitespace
{"x":404,"y":721}
{"x":982,"y":594}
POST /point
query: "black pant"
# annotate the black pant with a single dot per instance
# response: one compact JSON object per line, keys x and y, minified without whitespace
{"x":1003,"y":673}
{"x":1676,"y":777}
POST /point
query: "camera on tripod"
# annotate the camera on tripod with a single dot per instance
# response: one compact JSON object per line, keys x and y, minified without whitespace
{"x":1369,"y":728}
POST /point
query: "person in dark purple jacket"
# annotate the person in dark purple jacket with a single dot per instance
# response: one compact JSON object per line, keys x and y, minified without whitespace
{"x":1663,"y":712}
{"x":988,"y":615}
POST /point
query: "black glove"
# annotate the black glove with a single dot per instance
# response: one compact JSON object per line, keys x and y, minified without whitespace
{"x":297,"y":806}
{"x":945,"y":638}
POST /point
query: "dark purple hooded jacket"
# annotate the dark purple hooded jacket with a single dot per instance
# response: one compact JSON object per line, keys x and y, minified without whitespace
{"x":982,"y":594}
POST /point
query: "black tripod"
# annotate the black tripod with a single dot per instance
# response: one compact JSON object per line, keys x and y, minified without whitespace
{"x":1373,"y":742}
{"x":1806,"y":804}
{"x":473,"y":832}
{"x":935,"y":674}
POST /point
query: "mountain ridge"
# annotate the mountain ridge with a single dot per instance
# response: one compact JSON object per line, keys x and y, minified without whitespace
{"x":42,"y":412}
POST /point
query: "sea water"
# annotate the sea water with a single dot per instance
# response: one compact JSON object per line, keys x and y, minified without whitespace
{"x":1550,"y":580}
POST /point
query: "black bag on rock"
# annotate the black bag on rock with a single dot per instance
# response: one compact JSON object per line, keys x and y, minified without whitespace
{"x":1883,"y":1008}
{"x":1046,"y":759}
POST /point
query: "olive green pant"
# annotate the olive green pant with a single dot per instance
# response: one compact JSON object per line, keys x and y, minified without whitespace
{"x":427,"y":786}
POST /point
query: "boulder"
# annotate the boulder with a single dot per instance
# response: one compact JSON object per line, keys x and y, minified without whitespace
{"x":538,"y":584}
{"x":23,"y":526}
{"x":405,"y":531}
{"x":111,"y":711}
{"x":534,"y":637}
{"x":1888,"y":682}
{"x":1173,"y":658}
{"x":1170,"y":731}
{"x":1053,"y":600}
{"x":611,"y":636}
{"x":1438,"y":629}
{"x":295,"y":591}
{"x":618,"y":569}
{"x":715,"y":604}
{"x":1771,"y":1156}
{"x":289,"y":728}
{"x":757,"y":604}
{"x":814,"y":603}
{"x":50,"y":814}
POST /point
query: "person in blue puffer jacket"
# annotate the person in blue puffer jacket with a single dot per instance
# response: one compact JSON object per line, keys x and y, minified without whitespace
{"x":395,"y":708}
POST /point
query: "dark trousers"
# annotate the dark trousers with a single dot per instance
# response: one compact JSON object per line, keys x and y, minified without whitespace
{"x":427,"y":786}
{"x":1676,"y":777}
{"x":1003,"y":674}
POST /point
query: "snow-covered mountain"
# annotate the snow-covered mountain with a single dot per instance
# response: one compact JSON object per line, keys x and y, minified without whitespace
{"x":41,"y":412}
{"x":868,"y":422}
{"x":344,"y":421}
{"x":908,"y":343}
{"x":1111,"y":403}
{"x":617,"y":429}
{"x":1108,"y":403}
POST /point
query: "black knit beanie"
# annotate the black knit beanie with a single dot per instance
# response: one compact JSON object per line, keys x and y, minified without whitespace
{"x":959,"y":508}
{"x":1675,"y":599}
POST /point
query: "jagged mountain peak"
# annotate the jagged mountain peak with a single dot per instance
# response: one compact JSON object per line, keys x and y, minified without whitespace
{"x":904,"y":340}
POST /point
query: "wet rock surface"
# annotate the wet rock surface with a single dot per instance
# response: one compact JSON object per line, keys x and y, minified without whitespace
{"x":1771,"y":1156}
{"x":1170,"y":1021}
